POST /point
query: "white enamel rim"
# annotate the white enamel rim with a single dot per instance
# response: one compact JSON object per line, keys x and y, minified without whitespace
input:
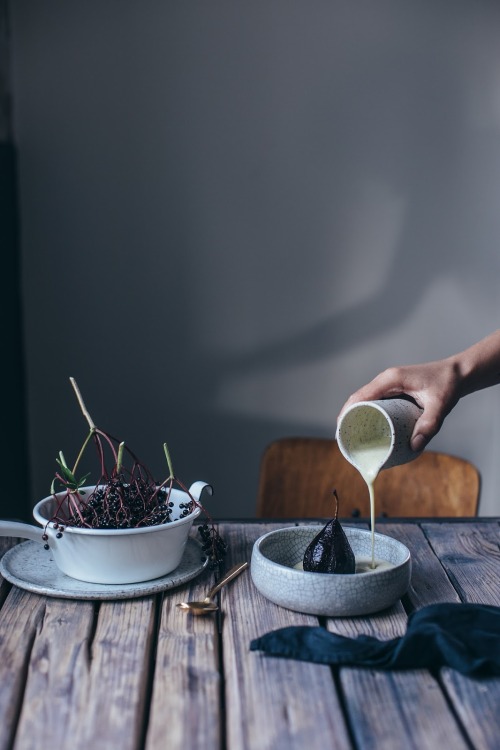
{"x":43,"y":520}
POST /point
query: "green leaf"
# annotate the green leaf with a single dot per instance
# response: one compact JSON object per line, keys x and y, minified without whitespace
{"x":83,"y":480}
{"x":67,"y":473}
{"x":61,"y":460}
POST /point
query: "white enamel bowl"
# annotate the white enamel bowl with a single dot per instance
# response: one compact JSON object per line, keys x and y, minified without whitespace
{"x":275,"y":554}
{"x":112,"y":555}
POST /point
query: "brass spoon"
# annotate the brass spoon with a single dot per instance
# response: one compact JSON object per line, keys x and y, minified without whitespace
{"x":207,"y":605}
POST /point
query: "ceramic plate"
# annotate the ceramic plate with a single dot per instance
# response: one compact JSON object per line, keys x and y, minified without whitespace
{"x":29,"y":566}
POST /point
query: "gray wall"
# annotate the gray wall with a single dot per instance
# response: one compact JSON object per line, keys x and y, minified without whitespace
{"x":234,"y":214}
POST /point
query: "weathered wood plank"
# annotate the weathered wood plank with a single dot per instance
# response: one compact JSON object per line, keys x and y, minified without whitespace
{"x":470,"y":554}
{"x":390,"y":623}
{"x":20,"y":617}
{"x":382,"y":706}
{"x":57,"y":679}
{"x":86,"y":689}
{"x":476,"y":702}
{"x":120,"y":659}
{"x":398,"y":710}
{"x":429,"y":581}
{"x":104,"y":688}
{"x":186,"y":705}
{"x":271,"y":703}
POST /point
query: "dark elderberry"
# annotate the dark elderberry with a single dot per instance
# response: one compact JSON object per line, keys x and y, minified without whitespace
{"x":212,"y":545}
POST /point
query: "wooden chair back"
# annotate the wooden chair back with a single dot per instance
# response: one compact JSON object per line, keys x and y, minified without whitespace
{"x":298,"y":476}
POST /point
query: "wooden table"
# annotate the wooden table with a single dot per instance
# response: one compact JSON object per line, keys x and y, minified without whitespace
{"x":142,"y":674}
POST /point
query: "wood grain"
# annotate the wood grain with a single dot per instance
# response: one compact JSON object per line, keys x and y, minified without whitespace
{"x":382,"y":705}
{"x":57,"y":679}
{"x":20,"y":619}
{"x":142,"y":675}
{"x":272,"y":703}
{"x":83,"y":689}
{"x":471,"y":556}
{"x":476,"y":703}
{"x":430,"y":583}
{"x":399,"y":710}
{"x":298,"y":474}
{"x":120,"y":659}
{"x":185,"y":706}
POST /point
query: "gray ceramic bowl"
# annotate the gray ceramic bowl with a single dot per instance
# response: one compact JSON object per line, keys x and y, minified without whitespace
{"x":275,"y":554}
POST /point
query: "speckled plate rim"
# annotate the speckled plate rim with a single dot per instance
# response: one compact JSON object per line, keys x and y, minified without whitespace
{"x":29,"y":566}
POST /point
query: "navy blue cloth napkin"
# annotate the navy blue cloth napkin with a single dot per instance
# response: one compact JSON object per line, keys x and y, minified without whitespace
{"x":465,"y":637}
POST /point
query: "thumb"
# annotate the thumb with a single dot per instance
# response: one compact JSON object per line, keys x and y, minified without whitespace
{"x":426,"y":427}
{"x":418,"y":442}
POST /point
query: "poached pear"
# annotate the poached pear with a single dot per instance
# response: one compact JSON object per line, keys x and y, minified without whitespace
{"x":330,"y":551}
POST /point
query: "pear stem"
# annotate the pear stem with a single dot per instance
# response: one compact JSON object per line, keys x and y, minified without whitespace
{"x":336,"y":504}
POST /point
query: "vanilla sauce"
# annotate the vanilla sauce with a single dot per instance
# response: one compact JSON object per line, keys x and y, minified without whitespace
{"x":376,"y":434}
{"x":367,"y":442}
{"x":368,"y":458}
{"x":363,"y":565}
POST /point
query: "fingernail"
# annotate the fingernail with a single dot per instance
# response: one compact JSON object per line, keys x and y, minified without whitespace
{"x":418,"y":443}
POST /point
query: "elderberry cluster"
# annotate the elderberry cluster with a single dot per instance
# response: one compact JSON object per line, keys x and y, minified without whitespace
{"x":120,"y":505}
{"x":212,"y":544}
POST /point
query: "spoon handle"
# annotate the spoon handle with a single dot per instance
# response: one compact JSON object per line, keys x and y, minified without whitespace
{"x":232,"y":573}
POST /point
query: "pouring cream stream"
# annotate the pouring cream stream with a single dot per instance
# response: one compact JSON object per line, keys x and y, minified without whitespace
{"x":368,"y":458}
{"x":366,"y":440}
{"x":376,"y":434}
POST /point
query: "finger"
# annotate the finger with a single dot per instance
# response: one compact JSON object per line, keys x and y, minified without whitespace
{"x":427,"y":426}
{"x":418,"y":442}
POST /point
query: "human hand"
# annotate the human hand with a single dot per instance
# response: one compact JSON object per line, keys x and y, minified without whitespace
{"x":435,"y":386}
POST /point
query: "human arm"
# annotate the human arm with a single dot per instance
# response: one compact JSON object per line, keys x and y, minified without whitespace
{"x":437,"y":386}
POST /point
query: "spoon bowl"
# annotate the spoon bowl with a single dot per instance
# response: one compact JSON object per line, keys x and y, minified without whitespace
{"x":207,"y":605}
{"x":198,"y":608}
